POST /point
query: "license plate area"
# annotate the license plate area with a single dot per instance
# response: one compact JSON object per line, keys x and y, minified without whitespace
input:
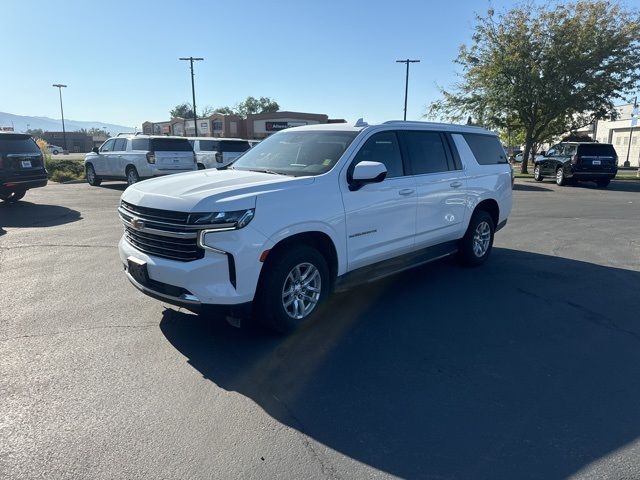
{"x":596,"y":162}
{"x":138,"y":270}
{"x":25,"y":163}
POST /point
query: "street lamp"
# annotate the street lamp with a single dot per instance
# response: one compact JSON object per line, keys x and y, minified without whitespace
{"x":64,"y":133}
{"x":406,"y":84}
{"x":193,"y":90}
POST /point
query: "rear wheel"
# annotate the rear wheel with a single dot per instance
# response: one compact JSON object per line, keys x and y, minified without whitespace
{"x":560,"y":179}
{"x":476,"y":245}
{"x":132,"y":175}
{"x":537,"y":175}
{"x":92,"y":178}
{"x":55,"y":152}
{"x":12,"y":197}
{"x":603,"y":183}
{"x":201,"y":166}
{"x":292,"y":289}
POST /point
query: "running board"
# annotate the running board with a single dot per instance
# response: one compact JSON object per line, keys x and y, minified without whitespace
{"x":386,"y":268}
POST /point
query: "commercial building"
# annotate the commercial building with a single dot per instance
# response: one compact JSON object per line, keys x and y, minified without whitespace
{"x":77,"y":142}
{"x":256,"y":126}
{"x":619,"y":134}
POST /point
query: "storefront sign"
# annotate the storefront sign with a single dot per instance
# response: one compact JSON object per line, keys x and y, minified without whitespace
{"x":277,"y":126}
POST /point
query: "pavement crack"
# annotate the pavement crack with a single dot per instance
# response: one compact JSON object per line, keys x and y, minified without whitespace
{"x":76,"y":330}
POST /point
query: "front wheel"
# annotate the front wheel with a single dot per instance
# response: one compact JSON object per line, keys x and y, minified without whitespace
{"x":132,"y":176}
{"x":12,"y":197}
{"x":603,"y":183}
{"x":560,"y":178}
{"x":476,"y":245}
{"x":537,"y":175}
{"x":92,"y":178}
{"x":292,"y":289}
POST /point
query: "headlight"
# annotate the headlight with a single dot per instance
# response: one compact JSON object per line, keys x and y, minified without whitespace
{"x":222,"y":220}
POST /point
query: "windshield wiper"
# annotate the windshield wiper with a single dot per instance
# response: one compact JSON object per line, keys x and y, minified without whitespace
{"x":272,"y":172}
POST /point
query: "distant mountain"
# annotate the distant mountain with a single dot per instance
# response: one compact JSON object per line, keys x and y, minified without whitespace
{"x":20,"y":122}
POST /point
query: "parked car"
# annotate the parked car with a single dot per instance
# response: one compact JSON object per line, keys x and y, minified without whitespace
{"x":136,"y":157}
{"x":518,"y":158}
{"x":55,"y":149}
{"x":572,"y":161}
{"x":22,"y":166}
{"x":216,"y":153}
{"x":311,"y":209}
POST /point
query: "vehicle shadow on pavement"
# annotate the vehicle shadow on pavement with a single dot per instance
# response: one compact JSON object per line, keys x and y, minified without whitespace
{"x":26,"y":214}
{"x":616,"y":186}
{"x":523,"y":368}
{"x":530,"y":188}
{"x":122,"y":186}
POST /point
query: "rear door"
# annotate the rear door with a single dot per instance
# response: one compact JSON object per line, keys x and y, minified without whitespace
{"x":207,"y":153}
{"x":440,"y":186}
{"x":173,"y":154}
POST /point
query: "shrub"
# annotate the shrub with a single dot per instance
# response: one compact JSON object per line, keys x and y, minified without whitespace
{"x":62,"y":170}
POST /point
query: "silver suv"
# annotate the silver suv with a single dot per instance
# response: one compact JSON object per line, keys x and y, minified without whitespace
{"x":136,"y":157}
{"x":217,"y":152}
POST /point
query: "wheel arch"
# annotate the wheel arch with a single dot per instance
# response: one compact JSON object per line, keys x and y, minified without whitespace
{"x":490,"y":206}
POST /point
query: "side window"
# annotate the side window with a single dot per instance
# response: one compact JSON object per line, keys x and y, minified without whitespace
{"x":120,"y":145}
{"x":382,"y":147}
{"x":553,"y":151}
{"x":570,"y":150}
{"x":486,"y":148}
{"x":140,"y":144}
{"x":426,"y":152}
{"x":107,"y":146}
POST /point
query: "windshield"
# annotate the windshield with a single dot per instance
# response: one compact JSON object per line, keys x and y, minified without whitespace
{"x":298,"y":153}
{"x":18,"y":144}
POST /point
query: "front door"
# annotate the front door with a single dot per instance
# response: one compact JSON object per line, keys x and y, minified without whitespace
{"x":380,"y":217}
{"x":101,"y":161}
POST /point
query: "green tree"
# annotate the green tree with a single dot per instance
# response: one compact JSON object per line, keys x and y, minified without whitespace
{"x":250,"y":106}
{"x":184,"y":110}
{"x":553,"y":68}
{"x":35,"y":132}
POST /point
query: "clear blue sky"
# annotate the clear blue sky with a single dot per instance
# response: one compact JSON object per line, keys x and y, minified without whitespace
{"x":120,"y":58}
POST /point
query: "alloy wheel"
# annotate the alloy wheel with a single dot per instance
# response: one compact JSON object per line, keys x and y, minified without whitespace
{"x":301,"y":290}
{"x":481,"y":239}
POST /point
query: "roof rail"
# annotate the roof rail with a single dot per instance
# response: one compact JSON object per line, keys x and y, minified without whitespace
{"x":417,"y":122}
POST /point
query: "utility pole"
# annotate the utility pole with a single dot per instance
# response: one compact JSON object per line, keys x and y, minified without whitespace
{"x":634,"y":119}
{"x":406,"y":83}
{"x":64,"y":133}
{"x":193,"y":91}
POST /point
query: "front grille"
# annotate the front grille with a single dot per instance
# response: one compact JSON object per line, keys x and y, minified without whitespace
{"x":164,"y":233}
{"x":183,"y":249}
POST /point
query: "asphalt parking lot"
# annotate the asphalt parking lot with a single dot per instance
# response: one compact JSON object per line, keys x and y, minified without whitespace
{"x":524,"y":368}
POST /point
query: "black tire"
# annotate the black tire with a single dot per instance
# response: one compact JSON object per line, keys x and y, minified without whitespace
{"x":132,"y":175}
{"x":92,"y":179}
{"x":603,"y":183}
{"x":468,"y":250}
{"x":269,"y":305}
{"x":12,"y":197}
{"x":561,"y":180}
{"x":55,"y":152}
{"x":537,"y":176}
{"x":201,"y":166}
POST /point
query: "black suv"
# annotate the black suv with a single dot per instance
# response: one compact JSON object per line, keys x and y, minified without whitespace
{"x":596,"y":162}
{"x":21,"y":166}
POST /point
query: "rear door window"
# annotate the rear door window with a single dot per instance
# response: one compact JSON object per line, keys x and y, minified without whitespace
{"x":208,"y":146}
{"x":597,"y":150}
{"x":17,"y":144}
{"x":171,"y":145}
{"x":486,"y":148}
{"x":426,"y":152}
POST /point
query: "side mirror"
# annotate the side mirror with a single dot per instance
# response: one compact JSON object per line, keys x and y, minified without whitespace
{"x":367,"y":172}
{"x":543,"y":153}
{"x":95,"y":150}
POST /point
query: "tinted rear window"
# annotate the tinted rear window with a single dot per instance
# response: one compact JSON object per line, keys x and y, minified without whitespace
{"x":597,"y":149}
{"x":234,"y":146}
{"x":208,"y":146}
{"x":140,"y":144}
{"x":18,"y":144}
{"x":170,"y":145}
{"x":486,"y":148}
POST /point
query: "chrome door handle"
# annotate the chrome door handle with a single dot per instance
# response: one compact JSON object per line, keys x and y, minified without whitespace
{"x":406,"y":191}
{"x":455,"y":184}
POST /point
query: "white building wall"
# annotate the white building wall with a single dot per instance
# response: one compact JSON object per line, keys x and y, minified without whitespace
{"x":617,"y":133}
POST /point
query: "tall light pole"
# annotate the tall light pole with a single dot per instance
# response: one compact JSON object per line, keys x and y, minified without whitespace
{"x":64,"y":133}
{"x":406,"y":84}
{"x":634,"y":119}
{"x":193,"y":90}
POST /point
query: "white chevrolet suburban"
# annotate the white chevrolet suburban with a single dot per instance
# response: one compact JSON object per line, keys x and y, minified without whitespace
{"x":133,"y":157}
{"x":312,"y":209}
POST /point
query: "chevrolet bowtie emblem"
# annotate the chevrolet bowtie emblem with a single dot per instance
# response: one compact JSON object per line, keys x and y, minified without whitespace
{"x":137,"y":223}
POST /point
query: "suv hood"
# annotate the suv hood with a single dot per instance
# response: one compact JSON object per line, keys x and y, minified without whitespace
{"x":208,"y":190}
